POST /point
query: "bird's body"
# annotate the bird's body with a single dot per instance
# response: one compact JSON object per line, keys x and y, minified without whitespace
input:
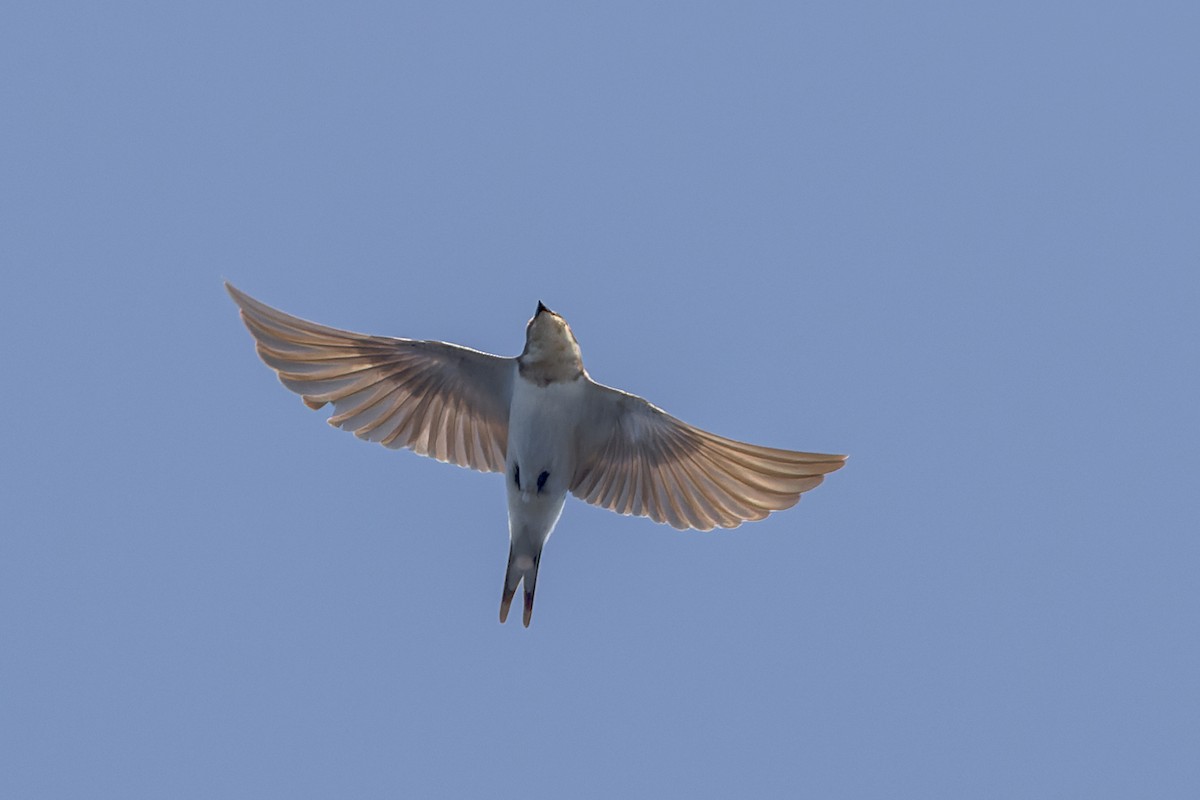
{"x":540,"y":419}
{"x":540,"y":461}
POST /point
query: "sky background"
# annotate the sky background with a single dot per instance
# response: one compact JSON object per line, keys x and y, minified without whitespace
{"x":958,"y":241}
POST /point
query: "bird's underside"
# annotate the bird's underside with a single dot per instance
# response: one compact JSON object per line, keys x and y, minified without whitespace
{"x":610,"y":448}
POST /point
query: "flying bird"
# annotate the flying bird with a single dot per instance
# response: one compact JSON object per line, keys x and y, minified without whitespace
{"x":537,"y":418}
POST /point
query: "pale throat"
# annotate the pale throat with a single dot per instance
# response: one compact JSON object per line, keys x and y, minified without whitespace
{"x":551,"y":355}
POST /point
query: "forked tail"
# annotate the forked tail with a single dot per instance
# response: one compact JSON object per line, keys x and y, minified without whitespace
{"x":522,"y":565}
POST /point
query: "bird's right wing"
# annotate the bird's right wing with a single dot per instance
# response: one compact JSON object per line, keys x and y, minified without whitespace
{"x":440,"y":400}
{"x":634,"y":458}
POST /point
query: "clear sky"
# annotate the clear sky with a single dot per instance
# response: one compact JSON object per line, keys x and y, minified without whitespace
{"x":959,"y":242}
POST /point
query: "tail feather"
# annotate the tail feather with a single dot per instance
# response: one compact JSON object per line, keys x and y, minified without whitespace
{"x":505,"y":602}
{"x":511,"y":579}
{"x":522,"y":566}
{"x":530,"y":587}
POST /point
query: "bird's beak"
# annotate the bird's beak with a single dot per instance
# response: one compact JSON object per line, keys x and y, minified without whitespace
{"x":541,"y":308}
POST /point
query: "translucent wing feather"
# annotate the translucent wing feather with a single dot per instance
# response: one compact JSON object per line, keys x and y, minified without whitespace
{"x":634,"y":458}
{"x":437,"y":399}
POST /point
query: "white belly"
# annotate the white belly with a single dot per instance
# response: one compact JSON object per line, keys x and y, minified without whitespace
{"x":541,"y":442}
{"x":541,"y":424}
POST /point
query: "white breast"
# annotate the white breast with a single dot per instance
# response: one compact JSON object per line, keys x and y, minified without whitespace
{"x":541,"y":423}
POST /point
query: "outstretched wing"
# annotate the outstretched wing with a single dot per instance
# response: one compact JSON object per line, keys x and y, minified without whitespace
{"x":634,"y":458}
{"x":438,"y":399}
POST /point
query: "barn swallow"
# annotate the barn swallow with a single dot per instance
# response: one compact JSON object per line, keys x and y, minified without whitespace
{"x":537,"y":418}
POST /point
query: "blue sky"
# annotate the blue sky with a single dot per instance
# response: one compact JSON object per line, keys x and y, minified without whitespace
{"x":958,"y":242}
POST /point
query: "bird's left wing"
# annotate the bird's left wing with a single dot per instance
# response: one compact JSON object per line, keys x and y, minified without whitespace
{"x":438,"y":399}
{"x":634,"y":458}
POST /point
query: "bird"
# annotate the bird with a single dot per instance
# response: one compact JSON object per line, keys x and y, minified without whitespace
{"x":539,"y":419}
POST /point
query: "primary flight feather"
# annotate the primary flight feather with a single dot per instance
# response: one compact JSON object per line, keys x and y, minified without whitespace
{"x":540,"y":419}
